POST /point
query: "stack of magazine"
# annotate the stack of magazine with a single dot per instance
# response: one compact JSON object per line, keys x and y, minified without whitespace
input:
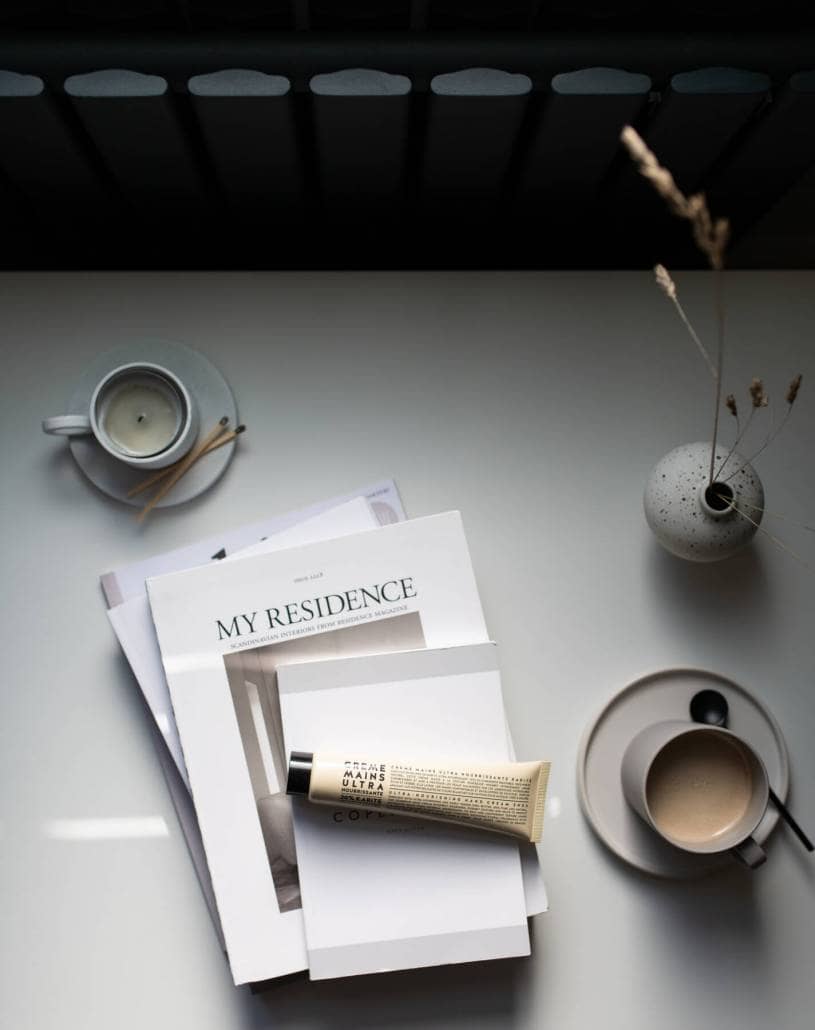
{"x":341,"y":625}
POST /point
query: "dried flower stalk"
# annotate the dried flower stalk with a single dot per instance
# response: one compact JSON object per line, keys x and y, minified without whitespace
{"x":794,"y":387}
{"x":761,"y":400}
{"x":778,"y":543}
{"x":776,"y":515}
{"x":717,"y":401}
{"x":755,"y":392}
{"x":665,"y":282}
{"x":758,"y":394}
{"x":668,"y":287}
{"x":710,"y":236}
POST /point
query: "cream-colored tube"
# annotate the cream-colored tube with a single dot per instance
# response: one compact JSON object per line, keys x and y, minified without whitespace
{"x":507,"y":798}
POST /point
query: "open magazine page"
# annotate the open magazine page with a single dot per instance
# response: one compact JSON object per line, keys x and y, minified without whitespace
{"x":401,"y":586}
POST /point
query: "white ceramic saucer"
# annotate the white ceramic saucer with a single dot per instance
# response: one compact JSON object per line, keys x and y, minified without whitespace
{"x":666,"y":695}
{"x":211,"y":392}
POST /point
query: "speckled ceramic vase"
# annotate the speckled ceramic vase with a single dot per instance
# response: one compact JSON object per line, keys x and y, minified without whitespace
{"x":694,"y":521}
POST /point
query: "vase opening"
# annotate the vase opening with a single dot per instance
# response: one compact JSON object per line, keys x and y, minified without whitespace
{"x":719,"y":497}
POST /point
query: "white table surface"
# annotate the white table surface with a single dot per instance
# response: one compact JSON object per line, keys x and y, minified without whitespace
{"x":536,"y":404}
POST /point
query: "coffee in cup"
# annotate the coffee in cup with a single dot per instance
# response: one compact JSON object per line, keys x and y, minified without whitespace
{"x":701,"y":788}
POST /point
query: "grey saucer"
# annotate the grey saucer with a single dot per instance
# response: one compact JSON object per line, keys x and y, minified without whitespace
{"x":206,"y":384}
{"x":666,"y":695}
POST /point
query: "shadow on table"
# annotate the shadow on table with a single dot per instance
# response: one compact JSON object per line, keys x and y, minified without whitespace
{"x":704,"y":927}
{"x":729,"y":594}
{"x":468,"y":995}
{"x":714,"y":913}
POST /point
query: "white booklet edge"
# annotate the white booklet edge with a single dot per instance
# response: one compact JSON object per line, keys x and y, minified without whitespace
{"x":418,"y":694}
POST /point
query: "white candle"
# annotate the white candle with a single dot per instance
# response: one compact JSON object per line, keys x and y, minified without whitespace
{"x":141,"y":414}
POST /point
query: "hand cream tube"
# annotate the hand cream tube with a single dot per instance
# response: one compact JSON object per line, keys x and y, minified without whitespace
{"x":507,"y":798}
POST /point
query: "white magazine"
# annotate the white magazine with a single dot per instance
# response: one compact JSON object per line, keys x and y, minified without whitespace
{"x":380,"y":892}
{"x":129,"y":580}
{"x":224,"y":628}
{"x":133,"y":623}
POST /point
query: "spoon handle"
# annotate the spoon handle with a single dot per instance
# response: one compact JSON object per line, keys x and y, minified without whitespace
{"x":785,"y":814}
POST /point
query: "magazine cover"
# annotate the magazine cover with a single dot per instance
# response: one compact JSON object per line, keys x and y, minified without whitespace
{"x":224,"y":629}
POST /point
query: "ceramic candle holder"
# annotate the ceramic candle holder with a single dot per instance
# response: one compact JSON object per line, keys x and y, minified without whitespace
{"x":140,"y":413}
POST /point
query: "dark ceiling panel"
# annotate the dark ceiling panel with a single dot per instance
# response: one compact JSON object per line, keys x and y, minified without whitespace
{"x":248,"y":123}
{"x":574,"y":137}
{"x":43,"y":157}
{"x":474,"y":119}
{"x":778,"y":150}
{"x":785,"y":236}
{"x":276,"y":15}
{"x":361,"y":128}
{"x":359,"y":15}
{"x":482,"y":168}
{"x":132,"y":121}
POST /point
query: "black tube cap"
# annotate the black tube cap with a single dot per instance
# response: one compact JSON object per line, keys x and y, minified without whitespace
{"x":299,"y":779}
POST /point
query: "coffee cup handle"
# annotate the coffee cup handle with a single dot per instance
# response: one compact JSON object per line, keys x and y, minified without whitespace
{"x":67,"y":425}
{"x":749,"y":853}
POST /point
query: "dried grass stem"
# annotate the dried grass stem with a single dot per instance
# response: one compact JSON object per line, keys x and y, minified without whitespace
{"x":778,"y":543}
{"x":710,"y":235}
{"x":668,"y":287}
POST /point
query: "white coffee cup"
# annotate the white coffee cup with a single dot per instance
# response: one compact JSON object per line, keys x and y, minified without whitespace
{"x":701,"y":788}
{"x":140,"y":413}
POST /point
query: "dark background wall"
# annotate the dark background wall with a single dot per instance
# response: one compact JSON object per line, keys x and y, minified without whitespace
{"x":176,"y":133}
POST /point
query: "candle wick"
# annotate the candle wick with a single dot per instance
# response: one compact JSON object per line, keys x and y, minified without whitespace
{"x":140,"y":418}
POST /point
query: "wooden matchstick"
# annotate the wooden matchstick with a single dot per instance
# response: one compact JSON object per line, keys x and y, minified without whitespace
{"x":220,"y":441}
{"x":146,"y":483}
{"x":169,"y":482}
{"x":226,"y":438}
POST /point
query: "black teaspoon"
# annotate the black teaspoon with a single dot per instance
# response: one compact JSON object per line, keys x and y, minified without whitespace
{"x":709,"y":706}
